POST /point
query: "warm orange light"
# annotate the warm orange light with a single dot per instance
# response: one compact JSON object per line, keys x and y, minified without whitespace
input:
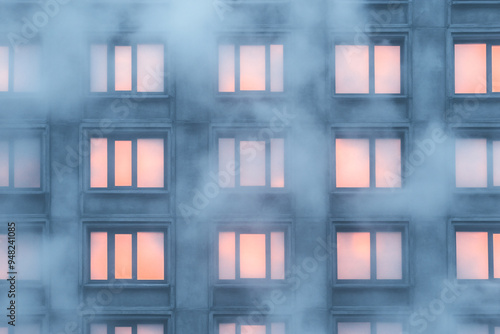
{"x":4,"y":68}
{"x":150,"y":68}
{"x":276,"y":64}
{"x":387,"y":61}
{"x":353,"y":328}
{"x":470,"y":68}
{"x":98,"y":329}
{"x":352,"y":158}
{"x":27,"y":163}
{"x":353,"y":255}
{"x":98,"y":162}
{"x":99,"y":68}
{"x":352,"y":69}
{"x":496,"y":255}
{"x":3,"y":253}
{"x":123,"y":163}
{"x":277,"y":328}
{"x":26,"y":68}
{"x":29,"y":256}
{"x":226,"y":163}
{"x":252,"y":67}
{"x":4,"y":163}
{"x":471,"y":163}
{"x":473,"y":329}
{"x":227,"y":328}
{"x":150,"y":256}
{"x":495,"y":68}
{"x":227,"y":255}
{"x":226,"y":68}
{"x":248,"y":329}
{"x":496,"y":163}
{"x":150,"y":163}
{"x":98,"y":255}
{"x":388,"y":163}
{"x":472,"y":255}
{"x":123,"y":330}
{"x":252,"y":163}
{"x":389,"y":255}
{"x":277,"y":162}
{"x":123,"y":68}
{"x":277,"y":255}
{"x":150,"y":329}
{"x":252,"y":255}
{"x":123,"y":256}
{"x":389,"y":328}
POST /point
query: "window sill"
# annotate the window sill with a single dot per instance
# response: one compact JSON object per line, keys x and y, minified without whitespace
{"x":371,"y":285}
{"x":128,"y":96}
{"x":370,"y":96}
{"x":367,"y":191}
{"x":251,"y":284}
{"x":21,"y":192}
{"x":255,"y":190}
{"x":126,"y":285}
{"x":128,"y":191}
{"x":474,"y":2}
{"x":477,"y":191}
{"x":252,"y":95}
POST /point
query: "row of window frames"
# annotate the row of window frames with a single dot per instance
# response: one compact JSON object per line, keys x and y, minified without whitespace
{"x":341,"y":328}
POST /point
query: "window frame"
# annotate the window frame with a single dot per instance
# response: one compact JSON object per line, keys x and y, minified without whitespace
{"x":222,"y":318}
{"x":344,"y":132}
{"x":35,"y":42}
{"x":487,"y":320}
{"x":380,"y":39}
{"x":126,"y":227}
{"x":129,"y":320}
{"x":373,"y":319}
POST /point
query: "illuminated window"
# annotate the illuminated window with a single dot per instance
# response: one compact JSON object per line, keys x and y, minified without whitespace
{"x":368,"y":69}
{"x":128,"y":327}
{"x":19,"y":68}
{"x":242,"y":328}
{"x":247,"y":162}
{"x":20,"y":160}
{"x":381,"y":327}
{"x":138,"y":68}
{"x":477,"y":163}
{"x":250,"y":67}
{"x":133,"y":255}
{"x":369,"y":255}
{"x":24,"y":328}
{"x":127,"y":162}
{"x":28,"y":259}
{"x":363,"y":162}
{"x":477,"y":254}
{"x":251,"y":255}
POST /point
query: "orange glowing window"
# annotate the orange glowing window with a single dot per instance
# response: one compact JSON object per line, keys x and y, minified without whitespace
{"x":472,"y":255}
{"x":387,"y":69}
{"x":270,"y":328}
{"x":496,"y":163}
{"x":123,"y":256}
{"x":471,"y":163}
{"x":123,"y":163}
{"x":260,"y":68}
{"x":20,"y":163}
{"x":150,"y":256}
{"x":98,"y":256}
{"x":28,"y":255}
{"x":123,"y":68}
{"x":366,"y":328}
{"x":139,"y":329}
{"x":353,"y":255}
{"x":258,"y":163}
{"x":245,"y":255}
{"x":470,"y":68}
{"x":98,"y":163}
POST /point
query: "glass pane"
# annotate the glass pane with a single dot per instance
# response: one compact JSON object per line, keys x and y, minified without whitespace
{"x":227,"y":255}
{"x":4,"y":163}
{"x":495,"y":68}
{"x":29,"y":256}
{"x":123,"y":163}
{"x":252,"y":163}
{"x":227,"y":328}
{"x":353,"y":328}
{"x":252,"y":67}
{"x":123,"y":330}
{"x":150,"y":68}
{"x":98,"y":329}
{"x":389,"y":328}
{"x":150,"y":163}
{"x":3,"y":256}
{"x":353,"y":255}
{"x":276,"y":68}
{"x":496,"y":163}
{"x":352,"y":157}
{"x":98,"y":68}
{"x":277,"y":328}
{"x":352,"y":69}
{"x":387,"y":69}
{"x":27,"y":163}
{"x":277,"y":162}
{"x":473,"y":329}
{"x":388,"y":163}
{"x":252,"y":255}
{"x":277,"y":255}
{"x":389,"y":255}
{"x":470,"y":68}
{"x":4,"y":68}
{"x":26,"y":68}
{"x":472,"y":255}
{"x":123,"y":68}
{"x":226,"y":68}
{"x":496,"y":255}
{"x":150,"y":256}
{"x":226,"y":163}
{"x":123,"y":256}
{"x":28,"y":329}
{"x":98,"y":255}
{"x":497,"y":330}
{"x":246,"y":329}
{"x":150,"y":329}
{"x":4,"y":330}
{"x":98,"y":162}
{"x":471,"y":163}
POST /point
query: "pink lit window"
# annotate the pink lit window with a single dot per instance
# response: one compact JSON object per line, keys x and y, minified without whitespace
{"x":127,"y":328}
{"x":251,"y":163}
{"x":251,"y":255}
{"x":354,"y":75}
{"x":472,"y":163}
{"x":20,"y":163}
{"x":369,"y":328}
{"x":477,"y":255}
{"x":136,"y":256}
{"x":250,"y":68}
{"x":268,"y":328}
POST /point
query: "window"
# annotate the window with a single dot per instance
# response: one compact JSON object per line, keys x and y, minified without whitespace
{"x":367,"y":255}
{"x":20,"y":162}
{"x":245,"y":162}
{"x":477,"y":162}
{"x":477,"y":254}
{"x":134,"y":255}
{"x":478,"y":328}
{"x":137,"y":68}
{"x":251,"y":255}
{"x":369,"y":327}
{"x":128,"y":162}
{"x":19,"y":68}
{"x":368,"y":69}
{"x":127,"y":327}
{"x":28,"y":257}
{"x":250,"y":67}
{"x":243,"y":328}
{"x":26,"y":328}
{"x":368,"y":161}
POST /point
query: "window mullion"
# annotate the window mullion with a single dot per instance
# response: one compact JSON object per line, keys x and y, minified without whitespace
{"x":491,"y":267}
{"x":111,"y":163}
{"x":268,"y":163}
{"x":268,"y":255}
{"x":489,"y":67}
{"x":371,"y":68}
{"x":237,"y":255}
{"x":489,"y":163}
{"x":268,"y":67}
{"x":373,"y":256}
{"x":236,"y":67}
{"x":111,"y":67}
{"x":237,"y":177}
{"x":11,"y":70}
{"x":111,"y":256}
{"x":11,"y":163}
{"x":134,"y":67}
{"x":373,"y":327}
{"x":134,"y":163}
{"x":134,"y":256}
{"x":372,"y":162}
